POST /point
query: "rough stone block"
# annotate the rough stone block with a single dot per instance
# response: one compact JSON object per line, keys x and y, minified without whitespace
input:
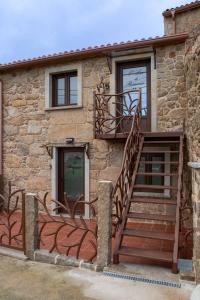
{"x":34,"y":127}
{"x":45,"y":256}
{"x":104,"y":233}
{"x":64,"y":260}
{"x":31,"y":224}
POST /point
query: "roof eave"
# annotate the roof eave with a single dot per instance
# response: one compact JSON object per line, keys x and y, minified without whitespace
{"x":181,"y":9}
{"x":95,"y":52}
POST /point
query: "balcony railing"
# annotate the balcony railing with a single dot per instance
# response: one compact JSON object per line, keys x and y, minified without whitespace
{"x":114,"y":113}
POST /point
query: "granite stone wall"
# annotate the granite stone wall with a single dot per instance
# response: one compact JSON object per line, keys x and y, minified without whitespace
{"x":171,"y":90}
{"x":28,"y":126}
{"x":192,"y":71}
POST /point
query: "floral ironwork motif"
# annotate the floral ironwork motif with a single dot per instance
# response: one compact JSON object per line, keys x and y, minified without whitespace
{"x":12,"y":225}
{"x":114,"y":111}
{"x":70,"y":234}
{"x":122,"y":186}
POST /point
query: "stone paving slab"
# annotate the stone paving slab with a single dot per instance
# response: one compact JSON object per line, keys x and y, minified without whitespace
{"x":26,"y":280}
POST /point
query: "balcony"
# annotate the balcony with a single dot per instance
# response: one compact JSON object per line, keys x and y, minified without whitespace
{"x":115,"y":114}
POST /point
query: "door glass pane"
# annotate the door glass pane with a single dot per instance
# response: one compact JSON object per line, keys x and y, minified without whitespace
{"x":60,"y":91}
{"x":73,"y":90}
{"x":74,"y":174}
{"x":157,"y":168}
{"x":133,"y":78}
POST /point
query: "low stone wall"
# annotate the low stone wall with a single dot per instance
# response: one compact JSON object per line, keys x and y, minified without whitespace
{"x":103,"y":233}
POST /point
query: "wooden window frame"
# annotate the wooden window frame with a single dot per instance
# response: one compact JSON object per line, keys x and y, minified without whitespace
{"x":67,"y":77}
{"x":145,"y":120}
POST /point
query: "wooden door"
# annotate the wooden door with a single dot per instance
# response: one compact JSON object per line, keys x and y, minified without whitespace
{"x":133,"y":75}
{"x":71,"y":179}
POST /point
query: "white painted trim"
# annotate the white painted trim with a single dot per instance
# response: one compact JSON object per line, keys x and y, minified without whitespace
{"x":153,"y":81}
{"x":54,"y":181}
{"x":54,"y":176}
{"x":65,"y":68}
{"x":87,"y":186}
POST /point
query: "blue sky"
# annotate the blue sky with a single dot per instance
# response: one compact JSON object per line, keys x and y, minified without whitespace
{"x":31,"y":28}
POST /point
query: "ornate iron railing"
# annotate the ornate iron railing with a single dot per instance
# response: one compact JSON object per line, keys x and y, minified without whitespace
{"x":114,"y":112}
{"x":12,"y":219}
{"x":67,"y":232}
{"x":122,"y":186}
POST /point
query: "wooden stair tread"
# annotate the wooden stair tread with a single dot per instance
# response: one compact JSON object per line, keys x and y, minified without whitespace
{"x":156,"y":174}
{"x":153,"y":200}
{"x":159,"y":162}
{"x":160,"y":151}
{"x":149,"y":234}
{"x":147,"y":216}
{"x":149,"y":254}
{"x":161,"y":142}
{"x":163,"y":135}
{"x":155,"y":187}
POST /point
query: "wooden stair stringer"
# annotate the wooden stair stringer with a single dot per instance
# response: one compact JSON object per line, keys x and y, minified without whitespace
{"x":119,"y":235}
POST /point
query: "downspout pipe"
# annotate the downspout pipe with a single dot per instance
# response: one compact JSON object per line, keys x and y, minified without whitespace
{"x":173,"y":15}
{"x":1,"y":129}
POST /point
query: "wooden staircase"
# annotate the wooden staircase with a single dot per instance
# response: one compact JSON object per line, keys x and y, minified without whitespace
{"x":154,"y":196}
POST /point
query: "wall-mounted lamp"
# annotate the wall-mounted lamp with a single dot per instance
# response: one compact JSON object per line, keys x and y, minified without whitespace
{"x":69,"y":141}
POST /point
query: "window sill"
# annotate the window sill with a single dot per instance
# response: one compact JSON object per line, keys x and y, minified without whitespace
{"x":63,"y":107}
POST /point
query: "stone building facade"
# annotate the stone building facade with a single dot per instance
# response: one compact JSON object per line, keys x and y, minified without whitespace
{"x":30,"y":124}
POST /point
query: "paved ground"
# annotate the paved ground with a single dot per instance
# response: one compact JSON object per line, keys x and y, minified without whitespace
{"x":29,"y":280}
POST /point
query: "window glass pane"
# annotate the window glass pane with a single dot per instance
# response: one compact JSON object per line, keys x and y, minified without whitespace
{"x":74,"y":174}
{"x":60,"y":91}
{"x":133,"y":78}
{"x":73,"y":90}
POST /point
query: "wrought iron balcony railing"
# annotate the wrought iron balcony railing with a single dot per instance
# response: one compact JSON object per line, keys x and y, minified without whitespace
{"x":114,"y":113}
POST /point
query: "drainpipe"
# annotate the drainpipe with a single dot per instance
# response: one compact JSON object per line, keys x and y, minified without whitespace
{"x":173,"y":14}
{"x":1,"y":128}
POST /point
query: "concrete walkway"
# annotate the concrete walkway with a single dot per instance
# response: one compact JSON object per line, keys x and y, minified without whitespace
{"x":30,"y":280}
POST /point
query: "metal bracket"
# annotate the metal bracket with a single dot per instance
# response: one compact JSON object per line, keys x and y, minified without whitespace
{"x":49,"y":150}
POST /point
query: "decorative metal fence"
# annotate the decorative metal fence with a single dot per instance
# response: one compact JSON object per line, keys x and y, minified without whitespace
{"x":12,"y":219}
{"x":66,"y":232}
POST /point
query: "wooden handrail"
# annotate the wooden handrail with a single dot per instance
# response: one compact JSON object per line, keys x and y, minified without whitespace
{"x":122,"y":187}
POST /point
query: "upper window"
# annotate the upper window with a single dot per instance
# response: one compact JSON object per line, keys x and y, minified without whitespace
{"x":64,"y":89}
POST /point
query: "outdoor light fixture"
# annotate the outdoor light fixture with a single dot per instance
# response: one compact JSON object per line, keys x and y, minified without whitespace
{"x":69,"y":140}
